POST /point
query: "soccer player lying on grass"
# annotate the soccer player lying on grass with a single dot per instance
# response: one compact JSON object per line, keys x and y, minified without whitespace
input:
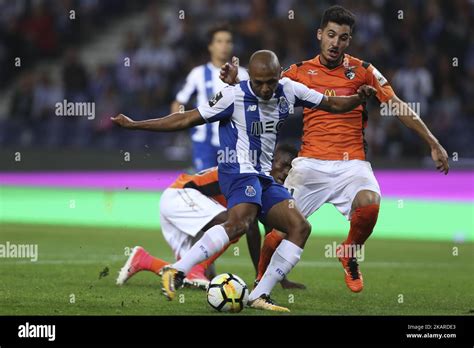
{"x":250,"y":114}
{"x":332,"y":166}
{"x":189,"y":207}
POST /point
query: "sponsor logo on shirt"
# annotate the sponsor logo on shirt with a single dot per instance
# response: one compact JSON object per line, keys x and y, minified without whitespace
{"x":330,"y":93}
{"x":215,"y":99}
{"x":260,"y":127}
{"x":252,"y":108}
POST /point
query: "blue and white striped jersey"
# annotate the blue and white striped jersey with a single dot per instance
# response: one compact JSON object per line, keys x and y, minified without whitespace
{"x":249,"y":125}
{"x":205,"y":82}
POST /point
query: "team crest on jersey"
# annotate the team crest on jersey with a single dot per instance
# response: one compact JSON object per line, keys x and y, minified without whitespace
{"x":215,"y":99}
{"x":350,"y":74}
{"x":283,"y":105}
{"x":250,"y":191}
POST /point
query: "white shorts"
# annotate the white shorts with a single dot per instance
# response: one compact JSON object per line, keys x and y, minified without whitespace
{"x":313,"y":182}
{"x":183,"y":213}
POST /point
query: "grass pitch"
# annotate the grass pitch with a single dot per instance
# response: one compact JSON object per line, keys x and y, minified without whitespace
{"x":77,"y":267}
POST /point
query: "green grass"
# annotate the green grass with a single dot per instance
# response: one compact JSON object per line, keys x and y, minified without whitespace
{"x":439,"y":220}
{"x":431,"y":280}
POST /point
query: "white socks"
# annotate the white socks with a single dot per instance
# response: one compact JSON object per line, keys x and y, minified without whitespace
{"x":285,"y":257}
{"x":210,"y":243}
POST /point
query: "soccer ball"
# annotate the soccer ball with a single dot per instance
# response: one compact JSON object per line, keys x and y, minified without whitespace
{"x":227,"y":293}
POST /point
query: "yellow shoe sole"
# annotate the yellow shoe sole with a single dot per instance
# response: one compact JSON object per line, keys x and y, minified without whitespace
{"x":260,"y":304}
{"x":167,"y":282}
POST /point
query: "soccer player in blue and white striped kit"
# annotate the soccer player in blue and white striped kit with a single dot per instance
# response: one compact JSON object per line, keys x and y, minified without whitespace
{"x":250,"y":115}
{"x":204,"y":81}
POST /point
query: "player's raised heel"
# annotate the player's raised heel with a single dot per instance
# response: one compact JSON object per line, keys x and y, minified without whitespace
{"x":266,"y":303}
{"x":196,"y":277}
{"x":171,"y":280}
{"x":202,"y":284}
{"x":132,"y":266}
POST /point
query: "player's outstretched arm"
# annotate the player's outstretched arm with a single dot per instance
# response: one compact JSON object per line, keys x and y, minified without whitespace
{"x":340,"y":105}
{"x":174,"y":122}
{"x":413,"y":121}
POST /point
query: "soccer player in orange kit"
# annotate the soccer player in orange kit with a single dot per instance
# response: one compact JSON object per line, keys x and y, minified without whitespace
{"x":331,"y":166}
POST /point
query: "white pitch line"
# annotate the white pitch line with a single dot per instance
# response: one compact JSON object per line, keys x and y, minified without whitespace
{"x":239,"y":262}
{"x":369,"y":264}
{"x":71,"y":261}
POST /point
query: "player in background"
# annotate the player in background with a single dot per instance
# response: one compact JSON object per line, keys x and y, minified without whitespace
{"x":204,"y":81}
{"x":332,"y":166}
{"x":190,"y":206}
{"x":251,"y":115}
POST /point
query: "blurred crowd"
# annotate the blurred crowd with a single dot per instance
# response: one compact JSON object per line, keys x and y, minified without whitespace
{"x":424,"y":48}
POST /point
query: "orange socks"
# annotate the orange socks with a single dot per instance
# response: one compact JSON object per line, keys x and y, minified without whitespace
{"x":271,"y":242}
{"x":362,"y":224}
{"x":157,"y":264}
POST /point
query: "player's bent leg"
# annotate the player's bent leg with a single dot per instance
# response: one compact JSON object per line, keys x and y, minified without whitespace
{"x":285,"y":217}
{"x":364,"y":214}
{"x":271,"y":242}
{"x":210,"y":261}
{"x":217,"y":220}
{"x":240,"y":218}
{"x":183,"y":220}
{"x":181,"y":244}
{"x":364,"y":198}
{"x":196,"y":277}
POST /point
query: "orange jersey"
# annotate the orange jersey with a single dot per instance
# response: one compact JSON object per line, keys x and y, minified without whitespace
{"x":330,"y":136}
{"x":205,"y":181}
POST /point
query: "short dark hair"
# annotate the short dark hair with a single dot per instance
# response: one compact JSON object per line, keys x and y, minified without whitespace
{"x":288,"y":149}
{"x":216,"y":29}
{"x":339,"y":15}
